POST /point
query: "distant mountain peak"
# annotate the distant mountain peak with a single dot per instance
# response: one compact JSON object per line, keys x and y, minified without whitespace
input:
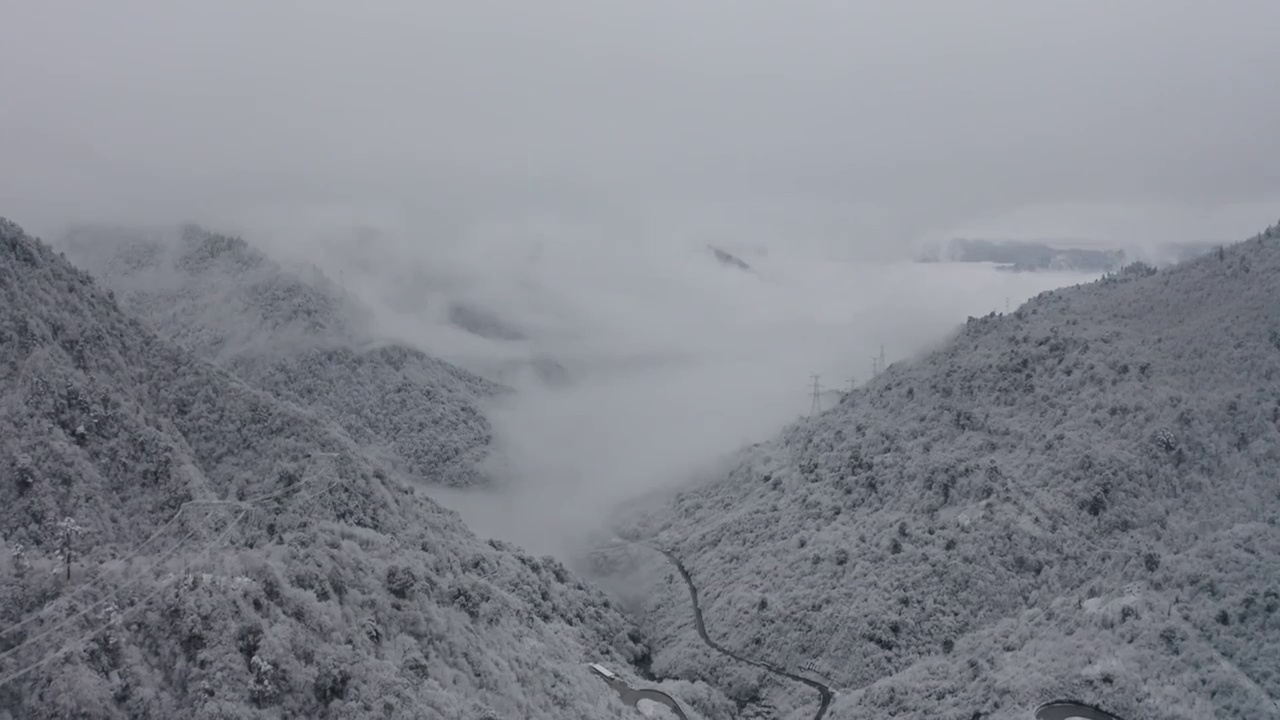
{"x":729,"y":259}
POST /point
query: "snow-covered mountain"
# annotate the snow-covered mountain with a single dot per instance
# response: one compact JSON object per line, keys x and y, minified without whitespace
{"x":1076,"y":499}
{"x":299,"y":336}
{"x":178,"y":543}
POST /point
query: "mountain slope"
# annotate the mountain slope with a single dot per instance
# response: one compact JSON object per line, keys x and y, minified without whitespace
{"x":1077,"y":499}
{"x":217,"y":565}
{"x":299,"y":337}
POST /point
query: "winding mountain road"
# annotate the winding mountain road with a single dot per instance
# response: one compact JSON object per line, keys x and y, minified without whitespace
{"x":1056,"y":710}
{"x":633,"y":696}
{"x":701,"y":625}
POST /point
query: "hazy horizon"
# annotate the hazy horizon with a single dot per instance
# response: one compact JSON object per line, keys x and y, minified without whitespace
{"x":859,"y":126}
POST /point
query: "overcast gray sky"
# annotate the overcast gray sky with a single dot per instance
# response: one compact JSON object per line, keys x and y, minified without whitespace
{"x":923,"y":114}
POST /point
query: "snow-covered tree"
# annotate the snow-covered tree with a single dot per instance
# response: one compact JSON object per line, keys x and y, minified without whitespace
{"x":67,"y":537}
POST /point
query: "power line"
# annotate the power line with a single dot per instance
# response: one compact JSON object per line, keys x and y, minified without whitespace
{"x":244,"y":506}
{"x":109,"y":597}
{"x":816,"y":406}
{"x":878,"y":362}
{"x":188,"y":505}
{"x":68,"y":647}
{"x":130,"y":556}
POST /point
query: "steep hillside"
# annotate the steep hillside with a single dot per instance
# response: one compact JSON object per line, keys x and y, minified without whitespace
{"x":1078,"y":499}
{"x":299,"y":337}
{"x":178,"y":544}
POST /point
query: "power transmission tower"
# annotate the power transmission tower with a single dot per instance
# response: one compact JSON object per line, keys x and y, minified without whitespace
{"x":853,"y":384}
{"x":816,"y":406}
{"x":882,"y":357}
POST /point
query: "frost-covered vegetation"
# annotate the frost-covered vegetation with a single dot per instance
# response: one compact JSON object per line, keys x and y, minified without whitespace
{"x":180,"y":544}
{"x":298,"y":336}
{"x":1077,"y":499}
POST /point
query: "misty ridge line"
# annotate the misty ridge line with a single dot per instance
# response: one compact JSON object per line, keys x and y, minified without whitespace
{"x":207,"y":249}
{"x":612,"y":399}
{"x":301,"y":611}
{"x":609,"y":382}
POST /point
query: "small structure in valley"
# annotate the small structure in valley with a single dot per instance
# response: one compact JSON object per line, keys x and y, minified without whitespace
{"x":603,"y":671}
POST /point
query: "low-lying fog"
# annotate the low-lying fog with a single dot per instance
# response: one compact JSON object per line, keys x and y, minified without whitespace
{"x":671,"y":359}
{"x":802,"y":127}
